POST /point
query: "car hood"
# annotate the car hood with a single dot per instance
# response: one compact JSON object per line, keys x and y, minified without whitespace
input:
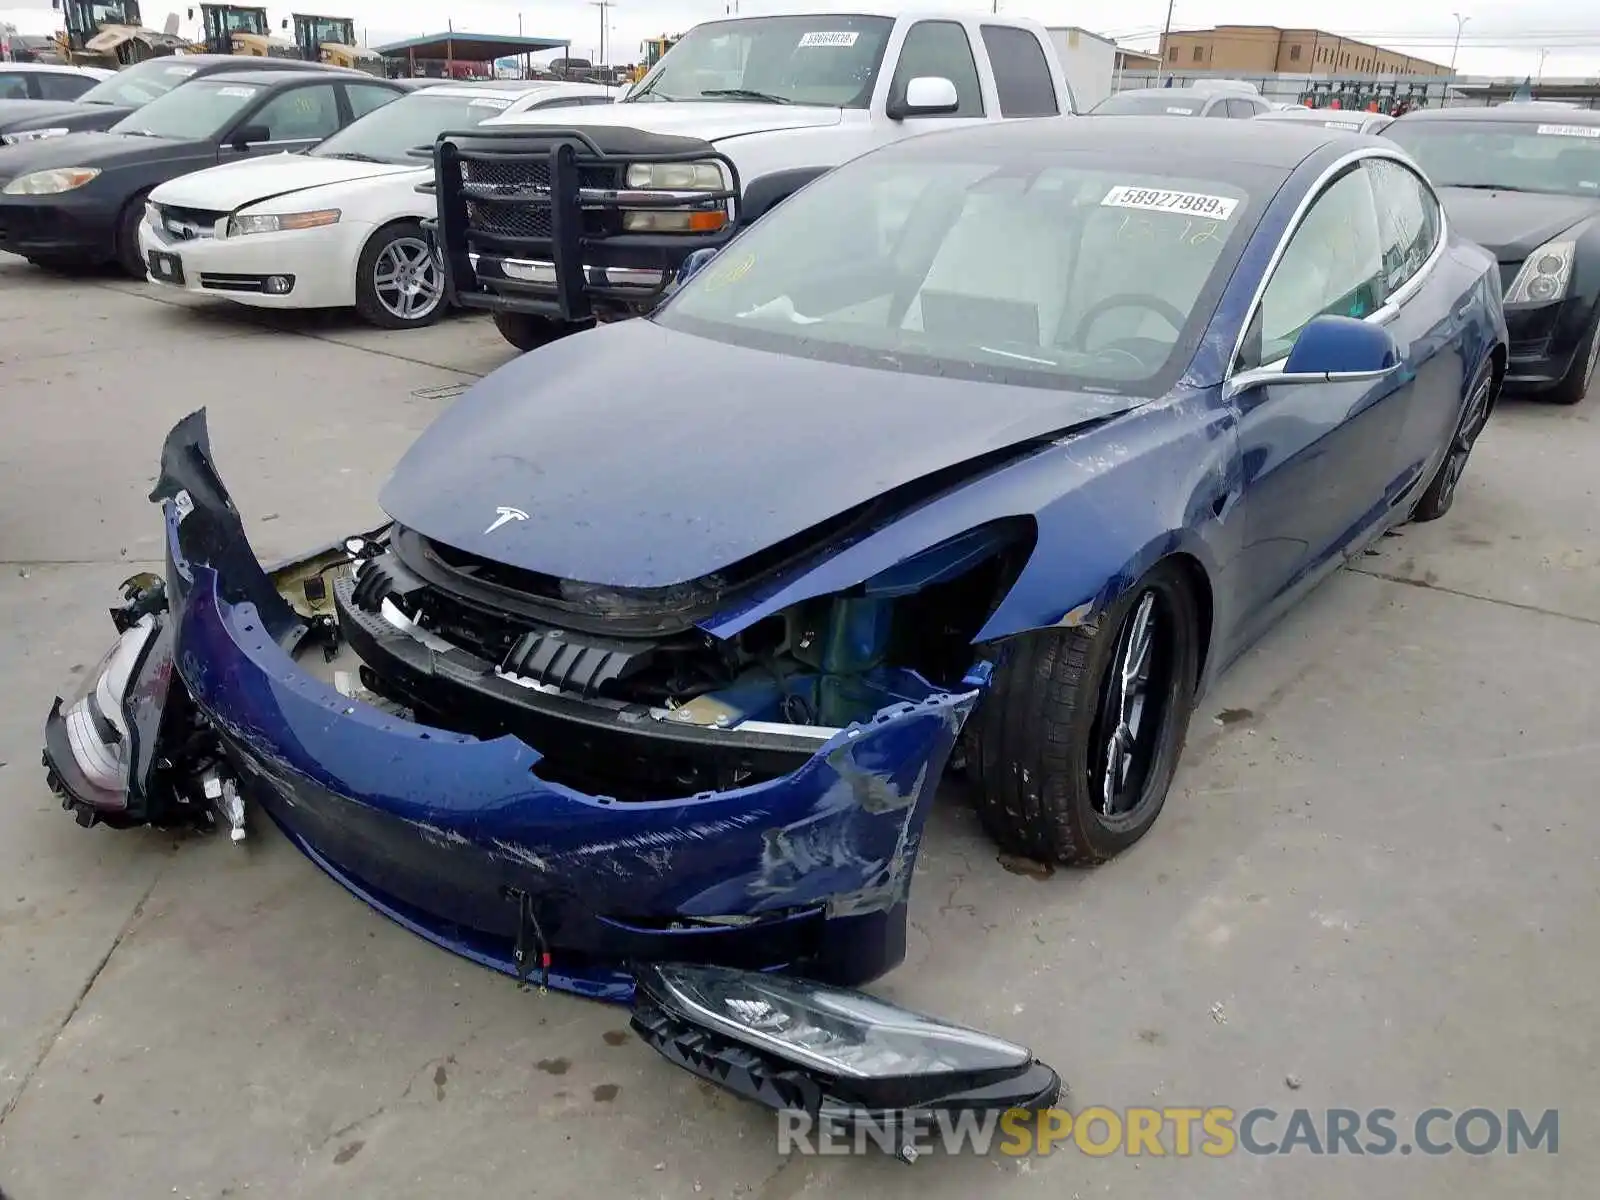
{"x":104,"y":150}
{"x":251,"y":180}
{"x":710,"y":120}
{"x":77,"y":117}
{"x":14,"y":111}
{"x":639,"y":456}
{"x":1512,"y":225}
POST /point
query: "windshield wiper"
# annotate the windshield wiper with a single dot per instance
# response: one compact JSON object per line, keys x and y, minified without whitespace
{"x":354,"y":156}
{"x":748,"y":94}
{"x":1488,"y":187}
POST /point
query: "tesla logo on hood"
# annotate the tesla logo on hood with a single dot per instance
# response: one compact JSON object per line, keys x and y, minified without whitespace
{"x":504,"y":516}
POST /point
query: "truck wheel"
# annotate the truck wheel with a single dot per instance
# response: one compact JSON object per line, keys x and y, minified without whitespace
{"x":1078,"y":738}
{"x":528,"y":331}
{"x":399,"y":283}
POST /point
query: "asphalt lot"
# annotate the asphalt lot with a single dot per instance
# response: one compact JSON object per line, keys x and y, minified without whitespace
{"x":1376,"y":873}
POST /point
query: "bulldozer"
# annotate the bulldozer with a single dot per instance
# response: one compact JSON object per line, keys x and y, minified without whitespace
{"x":242,"y":30}
{"x":111,"y":34}
{"x":651,"y":51}
{"x":332,"y":40}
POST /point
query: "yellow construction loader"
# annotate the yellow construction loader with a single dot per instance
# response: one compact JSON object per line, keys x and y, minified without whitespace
{"x":242,"y":30}
{"x":332,"y":40}
{"x":111,"y":34}
{"x":650,"y":53}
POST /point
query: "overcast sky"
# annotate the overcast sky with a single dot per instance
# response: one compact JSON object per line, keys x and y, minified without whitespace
{"x":1500,"y":38}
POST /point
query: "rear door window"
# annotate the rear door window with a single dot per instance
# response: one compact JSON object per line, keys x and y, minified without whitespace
{"x":1021,"y":72}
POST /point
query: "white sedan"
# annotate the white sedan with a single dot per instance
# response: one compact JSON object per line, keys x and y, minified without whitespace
{"x":337,"y":226}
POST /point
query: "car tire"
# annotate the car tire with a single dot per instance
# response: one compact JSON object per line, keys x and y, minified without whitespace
{"x":399,"y":282}
{"x":126,"y":250}
{"x":529,"y":331}
{"x":1043,"y":746}
{"x":1440,"y":493}
{"x":1580,"y":376}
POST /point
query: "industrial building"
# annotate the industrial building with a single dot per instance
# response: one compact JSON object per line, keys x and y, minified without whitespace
{"x":1267,"y":49}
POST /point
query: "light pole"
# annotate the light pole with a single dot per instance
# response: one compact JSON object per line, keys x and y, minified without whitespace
{"x":1166,"y":30}
{"x":604,"y":6}
{"x":1460,"y":24}
{"x":1543,"y":54}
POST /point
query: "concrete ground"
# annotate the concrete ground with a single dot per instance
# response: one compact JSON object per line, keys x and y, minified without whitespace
{"x":1374,"y":884}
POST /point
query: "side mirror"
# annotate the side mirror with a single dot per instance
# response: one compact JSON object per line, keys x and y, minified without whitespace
{"x":925,"y":96}
{"x":696,"y":263}
{"x":1329,"y":350}
{"x":249,"y":135}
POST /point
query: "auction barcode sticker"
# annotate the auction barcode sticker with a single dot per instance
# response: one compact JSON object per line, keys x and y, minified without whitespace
{"x":1351,"y":125}
{"x":1194,"y":204}
{"x":1174,"y":111}
{"x":829,"y":39}
{"x":237,"y":93}
{"x":1588,"y":131}
{"x":497,"y":105}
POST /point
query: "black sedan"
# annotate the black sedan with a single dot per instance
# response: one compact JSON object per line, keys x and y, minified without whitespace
{"x":1523,"y":181}
{"x":104,"y":104}
{"x":77,"y":201}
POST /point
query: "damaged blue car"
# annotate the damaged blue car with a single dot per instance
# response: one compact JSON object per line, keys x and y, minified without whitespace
{"x":987,"y":451}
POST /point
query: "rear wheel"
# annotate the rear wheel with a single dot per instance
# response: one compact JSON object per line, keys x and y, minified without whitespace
{"x":1441,"y":491}
{"x":1580,"y":376}
{"x":528,"y":331}
{"x":1078,"y":739}
{"x":399,"y":282}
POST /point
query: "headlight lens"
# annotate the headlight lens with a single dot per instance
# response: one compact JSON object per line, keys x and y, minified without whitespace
{"x":96,"y":726}
{"x":50,"y":183}
{"x":677,"y":176}
{"x":32,"y":135}
{"x":839,"y":1032}
{"x":1544,"y":276}
{"x":282,"y":222}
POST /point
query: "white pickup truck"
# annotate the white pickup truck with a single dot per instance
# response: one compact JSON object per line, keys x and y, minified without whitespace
{"x":552,"y":225}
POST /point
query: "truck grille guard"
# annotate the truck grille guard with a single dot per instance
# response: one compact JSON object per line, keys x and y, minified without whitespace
{"x":532,"y":221}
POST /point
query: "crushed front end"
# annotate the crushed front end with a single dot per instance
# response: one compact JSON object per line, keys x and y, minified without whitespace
{"x":575,"y":225}
{"x":550,"y":796}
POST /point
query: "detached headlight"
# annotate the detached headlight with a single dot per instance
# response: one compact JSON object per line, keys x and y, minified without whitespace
{"x":282,"y":222}
{"x":1545,"y":275}
{"x":50,"y":183}
{"x":97,"y":728}
{"x":32,"y":135}
{"x":837,"y":1032}
{"x":678,"y":176}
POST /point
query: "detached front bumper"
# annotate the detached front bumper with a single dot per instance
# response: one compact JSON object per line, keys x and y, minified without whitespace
{"x":460,"y":840}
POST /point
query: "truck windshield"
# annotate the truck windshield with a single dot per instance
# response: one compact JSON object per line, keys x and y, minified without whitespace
{"x":202,"y":110}
{"x":388,"y":134}
{"x":140,"y":83}
{"x":1516,"y":156}
{"x":828,"y":60}
{"x":1099,"y":273}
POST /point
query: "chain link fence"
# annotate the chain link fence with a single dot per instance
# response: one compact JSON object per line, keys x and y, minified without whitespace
{"x":1360,"y":92}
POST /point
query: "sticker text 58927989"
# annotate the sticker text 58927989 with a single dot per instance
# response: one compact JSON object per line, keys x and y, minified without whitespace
{"x":846,"y":38}
{"x":1188,"y":204}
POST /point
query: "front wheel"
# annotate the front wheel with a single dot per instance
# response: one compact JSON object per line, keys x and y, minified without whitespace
{"x":399,"y":282}
{"x":1078,"y":739}
{"x":529,"y":331}
{"x":1441,"y":490}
